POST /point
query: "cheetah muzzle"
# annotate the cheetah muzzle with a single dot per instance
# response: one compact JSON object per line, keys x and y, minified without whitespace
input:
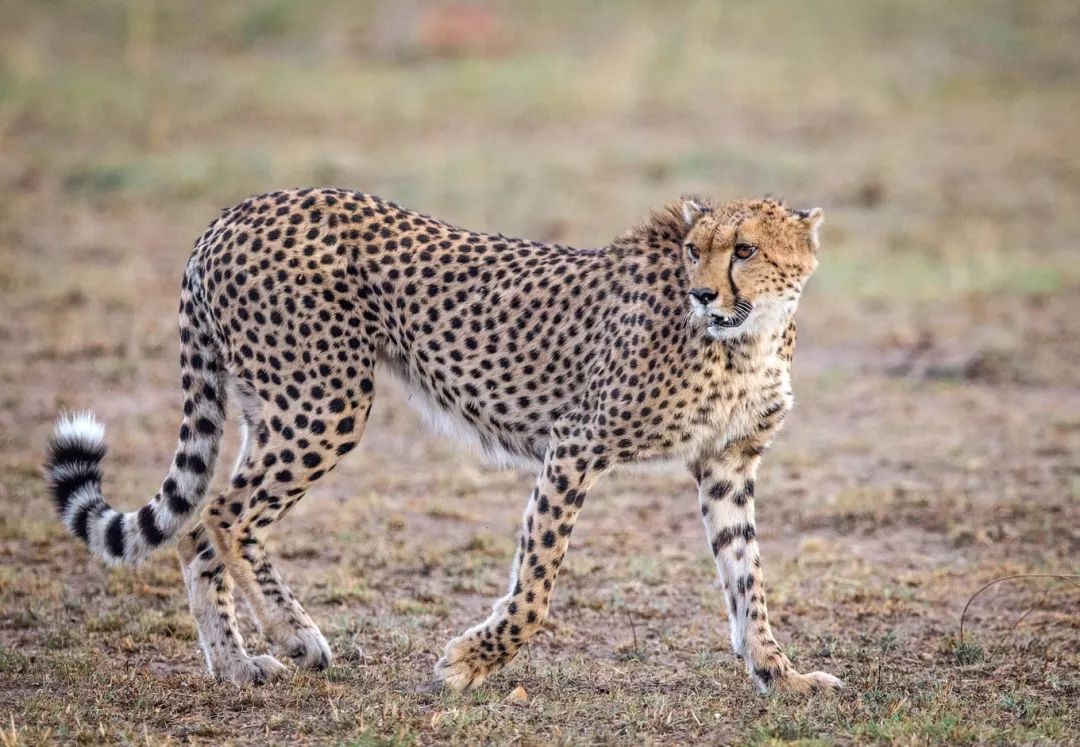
{"x":673,"y":341}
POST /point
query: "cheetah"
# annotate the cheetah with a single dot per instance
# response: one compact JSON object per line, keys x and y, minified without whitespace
{"x":675,"y":341}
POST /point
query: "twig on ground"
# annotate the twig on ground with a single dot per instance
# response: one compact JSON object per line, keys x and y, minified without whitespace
{"x":1067,"y":577}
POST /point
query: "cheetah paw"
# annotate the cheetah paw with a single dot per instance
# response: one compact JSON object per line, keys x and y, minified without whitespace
{"x":251,"y":670}
{"x":462,"y":667}
{"x":307,"y":648}
{"x":813,"y":682}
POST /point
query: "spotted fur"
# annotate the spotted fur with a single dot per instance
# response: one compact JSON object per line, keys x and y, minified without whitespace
{"x":673,"y":342}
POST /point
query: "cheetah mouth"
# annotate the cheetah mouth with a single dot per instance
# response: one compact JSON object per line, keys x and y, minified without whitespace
{"x":725,"y":322}
{"x":729,"y":321}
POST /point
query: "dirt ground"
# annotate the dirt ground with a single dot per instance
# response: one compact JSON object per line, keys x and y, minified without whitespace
{"x":935,"y":446}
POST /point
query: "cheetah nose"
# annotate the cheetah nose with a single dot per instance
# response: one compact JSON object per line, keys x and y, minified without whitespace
{"x":704,"y":296}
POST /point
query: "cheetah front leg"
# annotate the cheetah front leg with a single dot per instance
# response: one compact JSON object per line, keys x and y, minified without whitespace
{"x":726,"y":494}
{"x":569,"y":471}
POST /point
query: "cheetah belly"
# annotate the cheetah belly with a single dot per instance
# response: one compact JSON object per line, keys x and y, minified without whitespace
{"x":523,"y":453}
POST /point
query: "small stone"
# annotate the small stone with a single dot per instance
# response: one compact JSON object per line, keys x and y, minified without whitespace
{"x":518,"y":696}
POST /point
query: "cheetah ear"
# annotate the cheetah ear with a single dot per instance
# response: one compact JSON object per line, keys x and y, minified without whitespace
{"x":812,"y":219}
{"x":692,"y":210}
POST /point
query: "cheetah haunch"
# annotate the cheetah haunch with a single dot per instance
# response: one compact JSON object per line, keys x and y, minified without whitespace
{"x":675,"y":341}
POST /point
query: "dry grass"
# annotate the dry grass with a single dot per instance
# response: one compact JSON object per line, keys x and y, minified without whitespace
{"x":933,"y":449}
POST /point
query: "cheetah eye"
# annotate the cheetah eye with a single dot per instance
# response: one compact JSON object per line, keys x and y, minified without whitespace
{"x":692,"y":253}
{"x":744,"y":251}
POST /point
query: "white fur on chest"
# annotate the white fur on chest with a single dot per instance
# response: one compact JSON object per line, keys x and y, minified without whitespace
{"x":741,"y":416}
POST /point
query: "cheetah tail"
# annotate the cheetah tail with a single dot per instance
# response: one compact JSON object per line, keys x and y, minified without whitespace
{"x":77,"y":447}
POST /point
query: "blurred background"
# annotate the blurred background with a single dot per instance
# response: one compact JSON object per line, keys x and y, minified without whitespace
{"x":934,"y":447}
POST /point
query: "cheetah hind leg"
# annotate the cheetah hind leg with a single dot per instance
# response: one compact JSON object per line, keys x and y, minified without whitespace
{"x":277,"y":610}
{"x":210,"y":597}
{"x":239,"y":520}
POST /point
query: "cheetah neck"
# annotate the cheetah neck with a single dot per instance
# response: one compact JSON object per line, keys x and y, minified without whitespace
{"x":763,"y":346}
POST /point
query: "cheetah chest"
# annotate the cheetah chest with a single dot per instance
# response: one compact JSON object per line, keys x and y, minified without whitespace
{"x":737,"y":406}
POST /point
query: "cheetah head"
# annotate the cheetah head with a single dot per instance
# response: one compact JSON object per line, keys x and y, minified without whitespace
{"x":747,"y":263}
